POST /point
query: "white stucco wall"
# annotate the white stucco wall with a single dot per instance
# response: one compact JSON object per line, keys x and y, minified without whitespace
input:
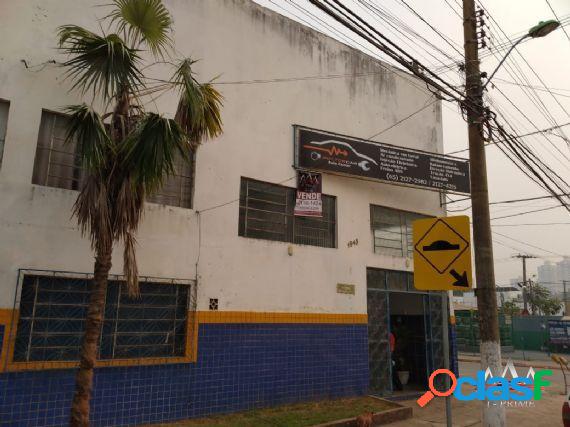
{"x":241,"y":41}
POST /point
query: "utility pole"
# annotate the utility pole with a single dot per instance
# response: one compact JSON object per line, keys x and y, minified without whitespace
{"x":525,"y":282}
{"x":493,"y":415}
{"x":565,"y":299}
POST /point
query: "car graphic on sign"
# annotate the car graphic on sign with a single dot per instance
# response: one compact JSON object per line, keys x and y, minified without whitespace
{"x":338,"y":149}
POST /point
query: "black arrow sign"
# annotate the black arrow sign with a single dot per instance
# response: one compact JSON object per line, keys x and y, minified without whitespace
{"x":460,"y":279}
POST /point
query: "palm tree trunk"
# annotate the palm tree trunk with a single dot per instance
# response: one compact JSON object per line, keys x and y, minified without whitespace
{"x":90,"y":344}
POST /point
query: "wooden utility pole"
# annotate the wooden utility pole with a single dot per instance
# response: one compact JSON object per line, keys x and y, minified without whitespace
{"x":493,"y":415}
{"x":526,"y":283}
{"x":566,"y":311}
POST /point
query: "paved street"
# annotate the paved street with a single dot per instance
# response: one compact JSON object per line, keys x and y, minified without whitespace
{"x":546,"y":412}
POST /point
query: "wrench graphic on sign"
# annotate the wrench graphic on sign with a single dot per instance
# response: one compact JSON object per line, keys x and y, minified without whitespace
{"x":364,"y":164}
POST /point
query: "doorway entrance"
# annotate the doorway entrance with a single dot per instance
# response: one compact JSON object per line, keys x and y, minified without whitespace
{"x":408,"y":351}
{"x":414,"y":319}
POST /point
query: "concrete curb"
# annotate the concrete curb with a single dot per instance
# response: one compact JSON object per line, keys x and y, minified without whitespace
{"x":520,"y":363}
{"x":380,"y":418}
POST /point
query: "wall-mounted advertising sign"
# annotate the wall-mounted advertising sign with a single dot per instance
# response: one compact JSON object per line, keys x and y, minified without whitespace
{"x":329,"y":152}
{"x":309,"y":200}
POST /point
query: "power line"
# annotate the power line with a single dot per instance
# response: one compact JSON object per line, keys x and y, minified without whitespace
{"x":443,"y":37}
{"x":541,"y":173}
{"x":510,"y":201}
{"x":347,"y":18}
{"x":526,"y":134}
{"x":506,"y":245}
{"x":383,"y":16}
{"x":528,"y":199}
{"x":526,"y":243}
{"x":528,"y":212}
{"x":349,"y":40}
{"x":453,"y":9}
{"x":531,"y":224}
{"x":409,"y":116}
{"x":558,"y":19}
{"x":526,"y":62}
{"x":544,"y":176}
{"x":495,"y":79}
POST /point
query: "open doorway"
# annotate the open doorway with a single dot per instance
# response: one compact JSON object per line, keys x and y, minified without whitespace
{"x":407,"y":325}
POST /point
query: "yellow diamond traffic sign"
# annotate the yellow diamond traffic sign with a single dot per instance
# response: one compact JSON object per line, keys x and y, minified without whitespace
{"x":442,"y":253}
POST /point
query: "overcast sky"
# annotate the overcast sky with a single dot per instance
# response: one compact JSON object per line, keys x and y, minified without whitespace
{"x":549,"y":57}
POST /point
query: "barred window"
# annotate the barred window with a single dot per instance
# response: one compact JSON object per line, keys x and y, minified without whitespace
{"x":53,"y":311}
{"x":178,"y":188}
{"x":266,"y":212}
{"x":392,"y":231}
{"x":58,"y":165}
{"x":4,"y":107}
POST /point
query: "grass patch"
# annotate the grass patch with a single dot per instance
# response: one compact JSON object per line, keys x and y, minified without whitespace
{"x":298,"y":415}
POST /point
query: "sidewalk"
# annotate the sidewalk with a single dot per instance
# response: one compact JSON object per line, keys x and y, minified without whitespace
{"x":545,"y":413}
{"x":535,"y":359}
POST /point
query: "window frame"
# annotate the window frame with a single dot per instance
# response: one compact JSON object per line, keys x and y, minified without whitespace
{"x":5,"y":130}
{"x":41,"y":179}
{"x":290,"y":230}
{"x":190,"y":353}
{"x":405,"y":218}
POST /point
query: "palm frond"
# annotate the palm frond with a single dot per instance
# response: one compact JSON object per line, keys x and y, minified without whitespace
{"x":103,"y":64}
{"x":213,"y":102}
{"x":128,"y":209}
{"x":145,"y":21}
{"x":199,"y":107}
{"x":87,"y":129}
{"x":150,"y":149}
{"x":93,"y":213}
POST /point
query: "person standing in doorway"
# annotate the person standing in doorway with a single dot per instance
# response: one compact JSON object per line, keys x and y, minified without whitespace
{"x":396,"y":384}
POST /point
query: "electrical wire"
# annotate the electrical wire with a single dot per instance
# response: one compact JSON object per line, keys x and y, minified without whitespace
{"x":385,"y":16}
{"x":396,"y":28}
{"x":525,"y":213}
{"x":409,"y":116}
{"x":526,"y":244}
{"x":531,"y":224}
{"x":443,"y":37}
{"x":453,"y":9}
{"x":524,"y":59}
{"x":536,"y":168}
{"x":521,"y":155}
{"x":347,"y":18}
{"x":523,"y":135}
{"x":558,"y":19}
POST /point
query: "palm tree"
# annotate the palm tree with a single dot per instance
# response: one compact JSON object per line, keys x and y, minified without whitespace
{"x":126,"y":151}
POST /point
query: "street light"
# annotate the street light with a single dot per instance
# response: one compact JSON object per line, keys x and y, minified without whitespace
{"x":541,"y":29}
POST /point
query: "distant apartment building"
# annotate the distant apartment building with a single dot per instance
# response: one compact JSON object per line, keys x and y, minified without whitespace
{"x":553,"y":274}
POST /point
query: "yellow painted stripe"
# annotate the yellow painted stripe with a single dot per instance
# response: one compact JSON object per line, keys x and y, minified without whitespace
{"x":278,"y":317}
{"x":191,"y":350}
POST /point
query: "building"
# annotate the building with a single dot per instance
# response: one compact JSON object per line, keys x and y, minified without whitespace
{"x":552,"y":275}
{"x":563,"y":270}
{"x":247,"y":306}
{"x":548,"y":274}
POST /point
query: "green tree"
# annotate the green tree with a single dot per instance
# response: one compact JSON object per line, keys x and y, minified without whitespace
{"x":541,"y":300}
{"x":126,"y":151}
{"x":510,"y":308}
